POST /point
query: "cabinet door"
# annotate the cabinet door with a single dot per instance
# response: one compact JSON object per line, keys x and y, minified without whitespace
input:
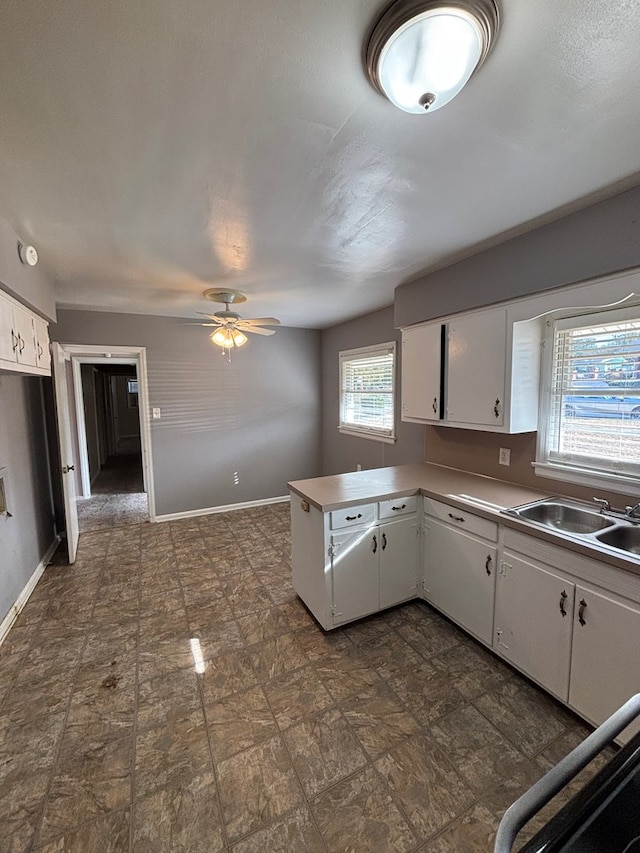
{"x":8,"y":341}
{"x":459,"y":574}
{"x":23,"y":327}
{"x":533,"y":622}
{"x":41,"y":333}
{"x":354,"y":573}
{"x":605,"y":664}
{"x":476,"y":368}
{"x":421,"y":365}
{"x":398,"y":561}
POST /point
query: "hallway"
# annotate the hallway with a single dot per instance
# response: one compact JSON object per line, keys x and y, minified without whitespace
{"x":118,"y":497}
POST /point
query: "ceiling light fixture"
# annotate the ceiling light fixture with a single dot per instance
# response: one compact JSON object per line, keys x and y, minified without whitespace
{"x":422,"y":52}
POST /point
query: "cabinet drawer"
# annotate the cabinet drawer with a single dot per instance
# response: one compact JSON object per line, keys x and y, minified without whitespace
{"x":398,"y":506}
{"x":461,"y":518}
{"x":352,"y":516}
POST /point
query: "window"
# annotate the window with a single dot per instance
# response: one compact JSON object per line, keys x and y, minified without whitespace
{"x":590,"y":416}
{"x":132,"y":393}
{"x":367,"y":392}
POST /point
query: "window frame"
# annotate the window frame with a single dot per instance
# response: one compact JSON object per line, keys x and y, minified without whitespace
{"x":613,"y":479}
{"x":387,"y":436}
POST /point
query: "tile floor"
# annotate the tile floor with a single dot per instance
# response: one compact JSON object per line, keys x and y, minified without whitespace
{"x":398,"y":733}
{"x":117,"y":495}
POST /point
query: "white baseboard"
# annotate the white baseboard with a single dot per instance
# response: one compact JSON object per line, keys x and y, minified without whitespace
{"x":192,"y":513}
{"x":22,"y":599}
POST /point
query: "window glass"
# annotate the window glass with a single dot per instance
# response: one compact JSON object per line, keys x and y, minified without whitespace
{"x":367,"y":391}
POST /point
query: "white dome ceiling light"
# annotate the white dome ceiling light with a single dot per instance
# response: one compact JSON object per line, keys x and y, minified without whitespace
{"x":421,"y":53}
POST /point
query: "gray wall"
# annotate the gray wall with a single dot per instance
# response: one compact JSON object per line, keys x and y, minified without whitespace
{"x":342,"y":453}
{"x":600,"y":239}
{"x":229,"y":431}
{"x":128,"y":419}
{"x":30,"y":285}
{"x":28,"y":533}
{"x":24,"y":538}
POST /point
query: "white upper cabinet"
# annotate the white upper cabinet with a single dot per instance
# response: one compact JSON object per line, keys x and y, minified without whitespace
{"x":421,"y":373}
{"x":476,"y":361}
{"x":24,"y":339}
{"x":489,"y":375}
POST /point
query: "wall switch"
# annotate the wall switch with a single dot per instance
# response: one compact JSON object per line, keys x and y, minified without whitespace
{"x":155,"y":413}
{"x":504,"y":457}
{"x":358,"y":467}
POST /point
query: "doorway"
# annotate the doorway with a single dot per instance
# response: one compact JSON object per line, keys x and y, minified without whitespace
{"x":110,"y":451}
{"x":76,"y":471}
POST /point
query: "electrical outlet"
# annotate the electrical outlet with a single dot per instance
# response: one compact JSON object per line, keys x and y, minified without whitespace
{"x":358,"y":467}
{"x":504,"y":457}
{"x":155,"y":412}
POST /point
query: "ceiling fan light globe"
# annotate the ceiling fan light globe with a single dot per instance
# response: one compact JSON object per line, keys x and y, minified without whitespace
{"x":238,"y":338}
{"x":222,"y":337}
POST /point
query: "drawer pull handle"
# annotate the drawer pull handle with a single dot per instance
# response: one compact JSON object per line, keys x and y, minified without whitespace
{"x":435,"y":406}
{"x":375,"y":544}
{"x":456,"y":517}
{"x":581,"y":609}
{"x":496,"y":408}
{"x":487,"y":564}
{"x":398,"y":508}
{"x":353,"y":517}
{"x":384,"y":541}
{"x":15,"y":340}
{"x":563,"y":599}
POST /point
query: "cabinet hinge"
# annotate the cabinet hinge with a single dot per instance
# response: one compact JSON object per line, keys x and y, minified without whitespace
{"x":333,"y":548}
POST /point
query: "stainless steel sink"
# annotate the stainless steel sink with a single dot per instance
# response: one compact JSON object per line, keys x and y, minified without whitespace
{"x":564,"y":517}
{"x":625,"y":538}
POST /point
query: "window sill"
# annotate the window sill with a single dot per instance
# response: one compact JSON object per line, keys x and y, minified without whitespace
{"x":370,"y":436}
{"x":619,"y":483}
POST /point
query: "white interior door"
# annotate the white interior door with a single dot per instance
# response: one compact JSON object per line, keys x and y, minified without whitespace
{"x":66,"y":450}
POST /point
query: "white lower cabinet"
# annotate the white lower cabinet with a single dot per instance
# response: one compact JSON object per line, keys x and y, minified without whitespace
{"x":576,"y":631}
{"x":352,"y":562}
{"x":459,"y":567}
{"x":605,"y":662}
{"x":533,"y":621}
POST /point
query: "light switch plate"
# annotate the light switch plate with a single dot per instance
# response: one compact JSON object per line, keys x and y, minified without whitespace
{"x":155,"y":413}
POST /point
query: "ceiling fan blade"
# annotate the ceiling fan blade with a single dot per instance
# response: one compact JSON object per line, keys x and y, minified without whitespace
{"x":260,"y":321}
{"x":196,"y":323}
{"x":257,"y":330}
{"x":217,"y":320}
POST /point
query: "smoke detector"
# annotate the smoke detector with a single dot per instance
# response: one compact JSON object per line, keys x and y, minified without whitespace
{"x":27,"y":254}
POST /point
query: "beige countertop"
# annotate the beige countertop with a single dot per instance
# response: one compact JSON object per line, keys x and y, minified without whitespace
{"x":437,"y":481}
{"x":487,"y":497}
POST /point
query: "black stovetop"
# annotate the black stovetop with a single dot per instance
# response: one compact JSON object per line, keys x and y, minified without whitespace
{"x":604,"y":817}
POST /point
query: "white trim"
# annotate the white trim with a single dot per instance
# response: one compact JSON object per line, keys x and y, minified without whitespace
{"x":83,"y":450}
{"x":91,"y":354}
{"x":613,"y":482}
{"x":212,"y":510}
{"x":372,"y":436}
{"x":22,"y":599}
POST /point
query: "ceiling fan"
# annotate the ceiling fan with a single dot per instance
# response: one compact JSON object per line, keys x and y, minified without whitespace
{"x":229,"y":326}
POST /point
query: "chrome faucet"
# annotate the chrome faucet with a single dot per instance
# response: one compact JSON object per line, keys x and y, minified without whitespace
{"x":604,"y":504}
{"x":632,"y":511}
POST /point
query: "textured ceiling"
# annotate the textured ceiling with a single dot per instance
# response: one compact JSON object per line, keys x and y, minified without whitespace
{"x":152,"y":149}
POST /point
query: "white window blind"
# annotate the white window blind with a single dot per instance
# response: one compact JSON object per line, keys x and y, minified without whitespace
{"x":594,"y":394}
{"x":367,"y":391}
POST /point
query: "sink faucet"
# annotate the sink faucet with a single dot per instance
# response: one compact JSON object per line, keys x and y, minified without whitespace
{"x":605,"y":506}
{"x":632,"y":511}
